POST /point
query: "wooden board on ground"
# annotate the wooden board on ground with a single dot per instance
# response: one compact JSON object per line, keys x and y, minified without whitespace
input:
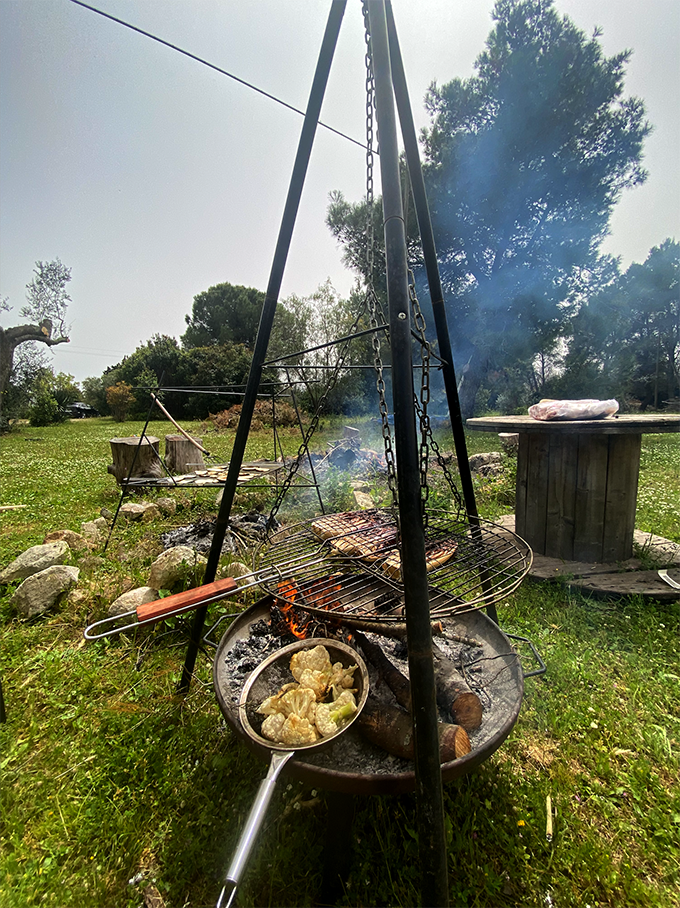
{"x":622,"y":578}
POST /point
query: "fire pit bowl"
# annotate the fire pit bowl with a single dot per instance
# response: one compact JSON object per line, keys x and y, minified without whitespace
{"x":350,"y":764}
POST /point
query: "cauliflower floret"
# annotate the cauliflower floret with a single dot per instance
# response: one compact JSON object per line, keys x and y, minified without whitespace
{"x":272,"y":725}
{"x":330,"y":716}
{"x":296,"y":731}
{"x":341,"y":678}
{"x":272,"y":704}
{"x":316,"y":659}
{"x":317,"y":681}
{"x":300,"y":702}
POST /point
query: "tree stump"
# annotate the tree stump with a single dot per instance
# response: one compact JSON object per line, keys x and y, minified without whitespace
{"x":181,"y":456}
{"x":132,"y":460}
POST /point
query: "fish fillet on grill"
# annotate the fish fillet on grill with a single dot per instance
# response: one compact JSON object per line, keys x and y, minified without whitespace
{"x":436,"y":556}
{"x":368,"y":535}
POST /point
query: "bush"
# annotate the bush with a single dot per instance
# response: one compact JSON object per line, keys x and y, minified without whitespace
{"x":120,"y":398}
{"x":263,"y":416}
{"x":45,"y":411}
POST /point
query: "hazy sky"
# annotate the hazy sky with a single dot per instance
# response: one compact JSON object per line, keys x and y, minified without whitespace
{"x":154,"y":177}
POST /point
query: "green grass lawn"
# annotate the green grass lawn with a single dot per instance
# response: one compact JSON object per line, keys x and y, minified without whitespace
{"x":110,"y":783}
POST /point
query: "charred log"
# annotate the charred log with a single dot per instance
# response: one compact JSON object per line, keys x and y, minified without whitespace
{"x":391,"y":729}
{"x":454,"y":694}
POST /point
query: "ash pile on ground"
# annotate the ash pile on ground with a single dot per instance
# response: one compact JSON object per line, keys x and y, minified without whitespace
{"x":199,"y":535}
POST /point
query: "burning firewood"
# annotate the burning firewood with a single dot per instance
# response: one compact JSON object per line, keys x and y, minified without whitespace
{"x":454,"y":693}
{"x":383,"y":629}
{"x":397,"y":682}
{"x":391,"y":729}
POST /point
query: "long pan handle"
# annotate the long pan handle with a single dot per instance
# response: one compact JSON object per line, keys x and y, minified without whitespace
{"x":253,"y":824}
{"x":160,"y":608}
{"x":176,"y":604}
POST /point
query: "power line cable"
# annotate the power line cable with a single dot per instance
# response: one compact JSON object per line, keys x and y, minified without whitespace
{"x":218,"y":69}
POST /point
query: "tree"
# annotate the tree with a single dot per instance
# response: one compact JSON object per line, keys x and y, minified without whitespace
{"x":230,"y":314}
{"x":94,"y":393}
{"x":47,"y":301}
{"x":626,"y":340}
{"x":50,"y":396}
{"x":327,"y":318}
{"x":225,"y":313}
{"x":524,"y":163}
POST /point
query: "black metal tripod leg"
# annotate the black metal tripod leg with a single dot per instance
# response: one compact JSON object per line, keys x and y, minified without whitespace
{"x":337,"y":851}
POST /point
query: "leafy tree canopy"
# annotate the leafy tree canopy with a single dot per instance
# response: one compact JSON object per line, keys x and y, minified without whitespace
{"x":192,"y":373}
{"x":524,"y":163}
{"x":225,"y":313}
{"x":626,"y":340}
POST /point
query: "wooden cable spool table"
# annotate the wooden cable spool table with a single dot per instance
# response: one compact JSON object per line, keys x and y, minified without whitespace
{"x":577,"y":482}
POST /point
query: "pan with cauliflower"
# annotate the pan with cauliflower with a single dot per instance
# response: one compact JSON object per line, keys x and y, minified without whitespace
{"x":316,"y":705}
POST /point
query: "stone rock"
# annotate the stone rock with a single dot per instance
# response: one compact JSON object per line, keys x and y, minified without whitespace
{"x":92,"y":530}
{"x":479,"y":460}
{"x":131,"y":600}
{"x":39,"y":592}
{"x":74,"y":541}
{"x":143,"y":510}
{"x":34,"y":560}
{"x":150,"y":514}
{"x":173,"y":565}
{"x":235,"y":569}
{"x":132,"y":510}
{"x":363,"y":500}
{"x":167,"y":506}
{"x":490,"y":469}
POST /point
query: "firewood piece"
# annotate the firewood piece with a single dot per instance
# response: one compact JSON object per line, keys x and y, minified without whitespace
{"x":391,"y":729}
{"x":394,"y":630}
{"x":135,"y":458}
{"x":181,"y":455}
{"x":397,"y":682}
{"x":454,"y":693}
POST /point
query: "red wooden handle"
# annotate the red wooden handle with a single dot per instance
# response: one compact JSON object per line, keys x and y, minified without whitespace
{"x":160,"y":608}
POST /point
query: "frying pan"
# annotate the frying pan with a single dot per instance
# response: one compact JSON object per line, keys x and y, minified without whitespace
{"x":265,"y":681}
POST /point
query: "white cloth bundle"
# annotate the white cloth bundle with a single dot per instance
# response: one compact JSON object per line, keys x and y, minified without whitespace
{"x":574,"y":409}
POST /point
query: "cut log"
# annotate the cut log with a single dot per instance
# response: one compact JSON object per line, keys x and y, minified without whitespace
{"x":454,"y":693}
{"x":397,"y":682}
{"x":391,"y":729}
{"x":132,"y":460}
{"x":181,"y":456}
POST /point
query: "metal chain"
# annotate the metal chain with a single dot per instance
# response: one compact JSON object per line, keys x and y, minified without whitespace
{"x":334,"y":376}
{"x":372,"y":303}
{"x":425,"y":428}
{"x":427,"y":442}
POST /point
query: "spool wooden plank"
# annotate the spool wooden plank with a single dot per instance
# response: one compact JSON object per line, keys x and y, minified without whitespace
{"x":521,"y":484}
{"x":591,"y":493}
{"x":622,"y":484}
{"x":561,"y":497}
{"x":535,"y":514}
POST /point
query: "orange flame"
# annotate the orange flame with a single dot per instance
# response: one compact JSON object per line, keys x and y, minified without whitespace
{"x":316,"y":595}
